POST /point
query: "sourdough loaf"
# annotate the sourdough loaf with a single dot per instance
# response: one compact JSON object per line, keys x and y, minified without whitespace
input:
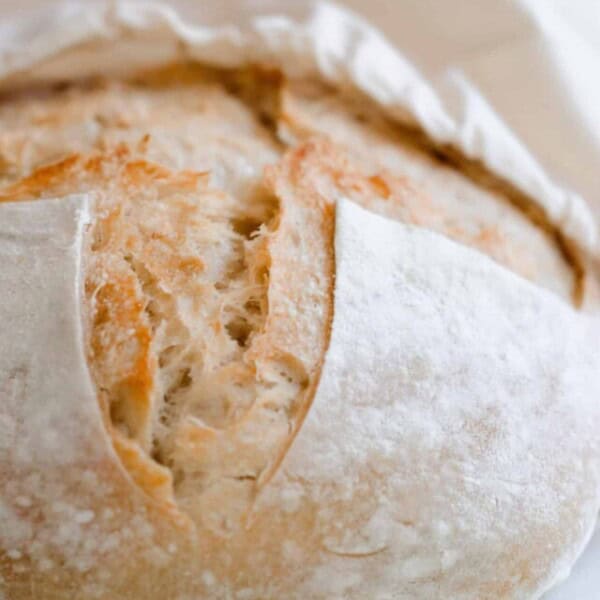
{"x":217,"y":257}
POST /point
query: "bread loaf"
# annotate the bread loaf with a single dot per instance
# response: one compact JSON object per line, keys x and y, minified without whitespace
{"x":208,"y":459}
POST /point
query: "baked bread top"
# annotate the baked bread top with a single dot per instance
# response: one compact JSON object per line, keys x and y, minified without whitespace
{"x":209,"y":268}
{"x":192,"y":171}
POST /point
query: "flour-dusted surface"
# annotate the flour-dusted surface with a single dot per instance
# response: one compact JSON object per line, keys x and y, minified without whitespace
{"x":40,"y":257}
{"x":61,"y":479}
{"x":42,"y":357}
{"x":450,"y":451}
{"x":452,"y":443}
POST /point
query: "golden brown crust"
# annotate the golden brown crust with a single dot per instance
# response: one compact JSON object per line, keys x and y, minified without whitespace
{"x":120,"y":332}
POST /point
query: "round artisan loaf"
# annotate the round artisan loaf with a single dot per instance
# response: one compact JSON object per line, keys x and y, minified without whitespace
{"x":283,"y":395}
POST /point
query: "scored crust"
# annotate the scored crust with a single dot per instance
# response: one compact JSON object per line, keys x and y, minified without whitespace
{"x":201,"y":373}
{"x":169,"y":257}
{"x":209,"y":276}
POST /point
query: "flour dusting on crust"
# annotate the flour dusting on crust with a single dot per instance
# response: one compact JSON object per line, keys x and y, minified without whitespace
{"x":461,"y":457}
